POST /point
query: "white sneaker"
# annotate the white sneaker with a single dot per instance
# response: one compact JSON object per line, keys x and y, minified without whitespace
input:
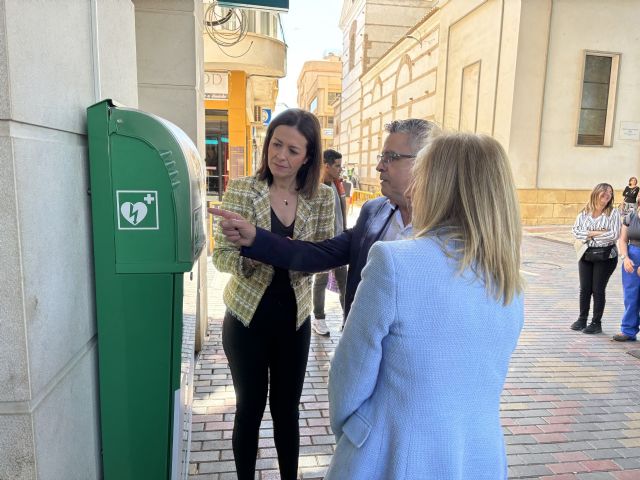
{"x":320,"y":327}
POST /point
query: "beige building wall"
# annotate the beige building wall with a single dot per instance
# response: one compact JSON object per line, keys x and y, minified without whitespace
{"x":171,"y":63}
{"x":319,"y":82}
{"x":368,"y":32}
{"x":601,"y":26}
{"x":510,"y":69}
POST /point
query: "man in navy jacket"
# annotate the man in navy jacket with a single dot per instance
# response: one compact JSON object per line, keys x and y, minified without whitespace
{"x":383,"y":218}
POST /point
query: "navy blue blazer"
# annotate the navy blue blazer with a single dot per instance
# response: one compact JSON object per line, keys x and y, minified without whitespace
{"x":351,"y":247}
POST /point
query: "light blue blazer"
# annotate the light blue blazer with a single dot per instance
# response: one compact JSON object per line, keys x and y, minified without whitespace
{"x":415,"y":383}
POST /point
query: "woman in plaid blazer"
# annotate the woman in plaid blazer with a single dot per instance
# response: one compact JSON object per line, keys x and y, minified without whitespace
{"x":266,"y":331}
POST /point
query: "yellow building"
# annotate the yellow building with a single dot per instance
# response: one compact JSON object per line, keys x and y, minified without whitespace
{"x":319,"y":88}
{"x":244,"y":57}
{"x":555,"y":81}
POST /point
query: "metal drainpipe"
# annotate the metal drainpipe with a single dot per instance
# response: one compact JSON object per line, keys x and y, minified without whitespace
{"x":95,"y":50}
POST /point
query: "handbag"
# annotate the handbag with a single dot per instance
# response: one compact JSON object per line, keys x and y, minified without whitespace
{"x":580,"y":248}
{"x":332,"y":283}
{"x":597,"y":254}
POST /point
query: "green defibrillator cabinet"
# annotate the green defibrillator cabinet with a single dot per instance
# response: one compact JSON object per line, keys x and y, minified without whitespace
{"x":147,"y":209}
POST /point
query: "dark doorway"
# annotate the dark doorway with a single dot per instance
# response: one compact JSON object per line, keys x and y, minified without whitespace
{"x":217,"y":152}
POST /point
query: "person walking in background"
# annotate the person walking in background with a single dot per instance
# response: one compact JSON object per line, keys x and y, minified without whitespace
{"x":341,"y":188}
{"x":383,"y":218}
{"x":597,"y":225}
{"x":415,"y":383}
{"x":332,"y":169}
{"x":266,"y":332}
{"x":630,"y":195}
{"x":629,"y":253}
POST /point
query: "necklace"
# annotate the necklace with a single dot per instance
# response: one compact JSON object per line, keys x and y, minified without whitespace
{"x":286,"y":202}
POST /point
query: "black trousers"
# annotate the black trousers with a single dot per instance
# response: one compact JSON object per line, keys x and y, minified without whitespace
{"x":594,"y":277}
{"x":268,"y":355}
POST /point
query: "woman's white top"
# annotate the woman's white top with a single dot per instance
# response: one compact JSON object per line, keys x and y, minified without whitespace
{"x":608,"y":224}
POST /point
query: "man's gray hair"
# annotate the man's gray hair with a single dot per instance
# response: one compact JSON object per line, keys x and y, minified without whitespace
{"x":419,"y":131}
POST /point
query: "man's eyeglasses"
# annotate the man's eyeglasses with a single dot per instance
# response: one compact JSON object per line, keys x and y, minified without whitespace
{"x":387,"y":157}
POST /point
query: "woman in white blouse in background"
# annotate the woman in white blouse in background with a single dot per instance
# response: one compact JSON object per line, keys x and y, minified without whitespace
{"x":598,"y":225}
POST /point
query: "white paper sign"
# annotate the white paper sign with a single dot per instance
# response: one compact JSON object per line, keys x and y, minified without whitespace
{"x":629,"y":130}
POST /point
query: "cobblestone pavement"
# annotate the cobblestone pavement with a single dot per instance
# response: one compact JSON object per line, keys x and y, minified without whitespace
{"x":570,"y":408}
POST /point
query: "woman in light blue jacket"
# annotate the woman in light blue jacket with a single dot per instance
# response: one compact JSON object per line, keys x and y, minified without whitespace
{"x":415,"y":383}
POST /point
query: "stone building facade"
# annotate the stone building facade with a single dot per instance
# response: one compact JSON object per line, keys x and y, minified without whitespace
{"x":555,"y":81}
{"x":319,"y":89}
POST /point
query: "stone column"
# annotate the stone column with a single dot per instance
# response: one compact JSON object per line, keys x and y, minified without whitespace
{"x":56,"y":59}
{"x":169,"y":45}
{"x":529,"y":90}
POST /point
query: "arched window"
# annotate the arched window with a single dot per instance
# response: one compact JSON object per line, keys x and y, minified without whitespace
{"x":404,"y":75}
{"x":376,"y":91}
{"x":352,"y":46}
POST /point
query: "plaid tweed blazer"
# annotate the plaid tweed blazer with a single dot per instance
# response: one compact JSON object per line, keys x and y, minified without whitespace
{"x":314,"y":222}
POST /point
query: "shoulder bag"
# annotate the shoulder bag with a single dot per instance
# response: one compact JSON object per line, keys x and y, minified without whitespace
{"x":597,"y":254}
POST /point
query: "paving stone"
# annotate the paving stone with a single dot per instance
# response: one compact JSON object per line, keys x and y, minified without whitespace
{"x":563,"y":476}
{"x":537,"y":458}
{"x":216,"y":467}
{"x":627,"y":475}
{"x":604,"y":453}
{"x":528,"y":471}
{"x":595,"y":476}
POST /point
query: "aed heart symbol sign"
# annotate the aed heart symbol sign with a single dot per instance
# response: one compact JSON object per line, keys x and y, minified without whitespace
{"x":137,"y":209}
{"x":133,"y":213}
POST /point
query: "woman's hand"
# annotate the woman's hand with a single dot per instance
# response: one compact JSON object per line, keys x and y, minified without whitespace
{"x":628,"y":265}
{"x":235,"y":227}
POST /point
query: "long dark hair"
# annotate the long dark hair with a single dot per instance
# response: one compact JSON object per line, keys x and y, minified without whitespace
{"x":308,"y":177}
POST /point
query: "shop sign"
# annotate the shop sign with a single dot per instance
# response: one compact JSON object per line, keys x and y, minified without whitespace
{"x":216,"y":85}
{"x":266,"y":116}
{"x":629,"y":131}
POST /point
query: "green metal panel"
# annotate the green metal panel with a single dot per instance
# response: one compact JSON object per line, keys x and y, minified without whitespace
{"x":136,"y":363}
{"x":146,"y":149}
{"x":147,"y":230}
{"x":141,"y":241}
{"x":261,"y":4}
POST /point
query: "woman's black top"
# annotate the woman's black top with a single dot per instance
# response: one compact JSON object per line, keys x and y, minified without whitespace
{"x":280,"y":283}
{"x":633,"y":227}
{"x":630,"y":194}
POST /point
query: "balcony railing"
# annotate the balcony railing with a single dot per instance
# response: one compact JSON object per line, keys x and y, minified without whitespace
{"x":257,"y":21}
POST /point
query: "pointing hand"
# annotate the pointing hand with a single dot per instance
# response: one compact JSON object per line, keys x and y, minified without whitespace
{"x":235,"y":227}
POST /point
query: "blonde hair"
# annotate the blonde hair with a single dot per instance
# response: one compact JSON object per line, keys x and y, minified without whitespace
{"x":463,"y":195}
{"x":592,"y":204}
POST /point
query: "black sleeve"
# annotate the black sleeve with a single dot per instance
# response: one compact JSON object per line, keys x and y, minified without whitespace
{"x":299,"y":255}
